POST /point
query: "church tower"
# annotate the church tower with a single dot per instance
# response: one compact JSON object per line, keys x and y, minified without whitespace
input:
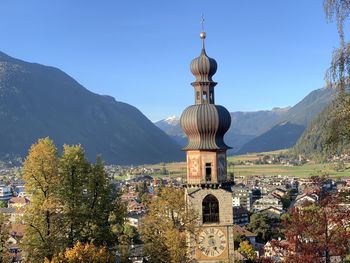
{"x":208,"y":189}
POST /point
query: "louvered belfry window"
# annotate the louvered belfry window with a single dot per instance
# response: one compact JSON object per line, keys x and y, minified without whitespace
{"x":210,"y":207}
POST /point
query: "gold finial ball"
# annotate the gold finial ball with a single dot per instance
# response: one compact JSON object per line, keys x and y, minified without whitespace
{"x":202,"y":35}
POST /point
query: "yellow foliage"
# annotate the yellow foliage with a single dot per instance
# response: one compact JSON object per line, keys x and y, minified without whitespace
{"x":165,"y":228}
{"x":83,"y":253}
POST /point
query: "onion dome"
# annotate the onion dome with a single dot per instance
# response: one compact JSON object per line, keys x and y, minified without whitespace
{"x":205,"y":126}
{"x":203,"y":67}
{"x":205,"y":123}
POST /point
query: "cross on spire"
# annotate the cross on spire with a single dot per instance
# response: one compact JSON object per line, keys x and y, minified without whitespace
{"x":202,"y":22}
{"x":202,"y":34}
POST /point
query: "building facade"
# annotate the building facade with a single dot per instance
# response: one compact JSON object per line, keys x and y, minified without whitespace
{"x":242,"y":196}
{"x":208,"y":190}
{"x":5,"y":193}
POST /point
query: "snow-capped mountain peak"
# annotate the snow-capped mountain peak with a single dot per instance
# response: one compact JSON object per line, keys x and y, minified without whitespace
{"x":172,"y":120}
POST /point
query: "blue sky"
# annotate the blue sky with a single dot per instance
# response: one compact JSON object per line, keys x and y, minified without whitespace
{"x":269,"y":53}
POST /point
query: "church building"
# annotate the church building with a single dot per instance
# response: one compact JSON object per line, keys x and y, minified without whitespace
{"x":208,"y":188}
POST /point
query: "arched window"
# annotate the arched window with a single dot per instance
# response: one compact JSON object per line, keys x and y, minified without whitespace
{"x":210,"y":208}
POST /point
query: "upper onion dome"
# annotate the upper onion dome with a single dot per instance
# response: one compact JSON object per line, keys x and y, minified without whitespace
{"x":203,"y":67}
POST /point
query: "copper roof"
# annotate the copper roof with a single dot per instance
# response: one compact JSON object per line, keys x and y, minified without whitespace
{"x":205,"y":126}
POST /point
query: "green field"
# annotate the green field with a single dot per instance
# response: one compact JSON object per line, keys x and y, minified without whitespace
{"x":309,"y":169}
{"x":295,"y":171}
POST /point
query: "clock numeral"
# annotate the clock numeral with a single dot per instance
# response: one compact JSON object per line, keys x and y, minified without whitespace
{"x":211,"y":230}
{"x":207,"y":251}
{"x":221,"y":247}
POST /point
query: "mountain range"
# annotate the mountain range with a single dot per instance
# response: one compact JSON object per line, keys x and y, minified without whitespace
{"x":266,"y":130}
{"x":38,"y":101}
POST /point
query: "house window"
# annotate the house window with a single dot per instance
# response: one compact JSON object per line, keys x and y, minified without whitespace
{"x":208,"y":172}
{"x":198,"y":95}
{"x":210,"y":208}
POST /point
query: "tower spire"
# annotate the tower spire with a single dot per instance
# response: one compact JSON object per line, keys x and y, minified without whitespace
{"x":203,"y":34}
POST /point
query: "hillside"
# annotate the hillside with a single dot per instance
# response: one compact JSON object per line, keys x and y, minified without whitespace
{"x":38,"y":101}
{"x":281,"y":136}
{"x":296,"y":119}
{"x":328,"y":134}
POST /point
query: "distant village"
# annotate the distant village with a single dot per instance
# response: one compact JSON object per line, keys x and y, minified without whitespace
{"x":270,"y":196}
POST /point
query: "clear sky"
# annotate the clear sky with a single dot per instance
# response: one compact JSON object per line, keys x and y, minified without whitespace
{"x":270,"y":53}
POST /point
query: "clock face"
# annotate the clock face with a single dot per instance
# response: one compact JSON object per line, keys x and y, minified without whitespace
{"x":212,"y":242}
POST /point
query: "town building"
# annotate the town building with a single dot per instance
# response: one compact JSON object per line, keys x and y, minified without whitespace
{"x":267,"y":201}
{"x":240,"y":216}
{"x":5,"y":193}
{"x":242,"y":196}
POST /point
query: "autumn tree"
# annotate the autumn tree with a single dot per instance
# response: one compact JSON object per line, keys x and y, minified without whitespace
{"x":83,"y":253}
{"x":5,"y":256}
{"x":72,"y":201}
{"x":317,"y":232}
{"x":237,"y":239}
{"x":165,"y":227}
{"x":43,"y":236}
{"x":247,"y":249}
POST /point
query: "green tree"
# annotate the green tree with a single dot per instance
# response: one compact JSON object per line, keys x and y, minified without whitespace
{"x":247,"y":249}
{"x":286,"y":201}
{"x":143,"y":192}
{"x":5,"y":256}
{"x":166,"y":227}
{"x":43,"y":235}
{"x":73,"y":170}
{"x":338,"y":75}
{"x":128,"y":237}
{"x":104,"y":209}
{"x":3,"y":204}
{"x":259,"y":224}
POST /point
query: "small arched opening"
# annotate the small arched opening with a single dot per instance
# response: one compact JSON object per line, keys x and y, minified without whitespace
{"x":210,"y":209}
